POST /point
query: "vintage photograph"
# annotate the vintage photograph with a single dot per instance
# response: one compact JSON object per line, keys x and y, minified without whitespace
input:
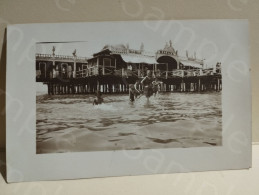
{"x":127,"y":98}
{"x":146,"y":92}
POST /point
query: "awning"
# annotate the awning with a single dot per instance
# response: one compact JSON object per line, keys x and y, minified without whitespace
{"x":136,"y":58}
{"x":191,"y":63}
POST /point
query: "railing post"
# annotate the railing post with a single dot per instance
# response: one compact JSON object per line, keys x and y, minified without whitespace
{"x":97,"y":64}
{"x":201,"y":72}
{"x":139,"y":73}
{"x":199,"y":85}
{"x":74,"y":72}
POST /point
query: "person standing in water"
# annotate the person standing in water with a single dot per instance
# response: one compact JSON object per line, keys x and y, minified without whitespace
{"x":98,"y":99}
{"x":156,"y":85}
{"x":147,"y":83}
{"x":133,"y":92}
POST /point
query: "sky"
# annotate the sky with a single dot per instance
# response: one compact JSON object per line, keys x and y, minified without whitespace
{"x":215,"y":41}
{"x":210,"y":39}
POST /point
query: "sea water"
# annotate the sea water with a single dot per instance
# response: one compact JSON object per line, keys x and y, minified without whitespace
{"x":71,"y":123}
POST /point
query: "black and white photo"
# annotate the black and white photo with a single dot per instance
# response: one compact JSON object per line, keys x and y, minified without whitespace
{"x":125,"y":98}
{"x":102,"y":99}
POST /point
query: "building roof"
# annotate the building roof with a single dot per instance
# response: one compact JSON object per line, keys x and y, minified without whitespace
{"x":191,"y":63}
{"x":115,"y":47}
{"x":138,"y":58}
{"x":131,"y":55}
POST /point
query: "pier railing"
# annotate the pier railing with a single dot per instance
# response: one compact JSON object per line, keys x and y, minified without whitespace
{"x":66,"y":82}
{"x":50,"y":57}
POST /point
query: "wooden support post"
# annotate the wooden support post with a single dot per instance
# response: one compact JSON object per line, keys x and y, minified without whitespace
{"x":103,"y":68}
{"x":49,"y":89}
{"x":52,"y":89}
{"x":110,"y":88}
{"x":97,"y":85}
{"x":87,"y":88}
{"x":90,"y":88}
{"x":118,"y":88}
{"x":101,"y":88}
{"x":218,"y":85}
{"x":74,"y":71}
{"x":57,"y":88}
{"x":97,"y":64}
{"x":199,"y":85}
{"x":104,"y":88}
{"x":115,"y":88}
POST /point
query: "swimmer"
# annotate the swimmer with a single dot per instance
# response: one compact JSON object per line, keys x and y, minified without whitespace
{"x":98,"y":99}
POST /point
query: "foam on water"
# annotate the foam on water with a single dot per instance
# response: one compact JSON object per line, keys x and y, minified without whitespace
{"x":107,"y":107}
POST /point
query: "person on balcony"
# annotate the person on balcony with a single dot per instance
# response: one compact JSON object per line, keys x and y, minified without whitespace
{"x":64,"y":72}
{"x":158,"y":72}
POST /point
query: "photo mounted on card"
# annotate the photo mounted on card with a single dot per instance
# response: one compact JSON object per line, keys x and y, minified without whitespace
{"x":87,"y":100}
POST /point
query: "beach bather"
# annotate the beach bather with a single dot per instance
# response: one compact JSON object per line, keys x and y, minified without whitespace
{"x":133,"y":92}
{"x":147,"y":83}
{"x":156,"y":86}
{"x":98,"y":99}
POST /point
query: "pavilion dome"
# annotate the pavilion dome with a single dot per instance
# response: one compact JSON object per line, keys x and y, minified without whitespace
{"x":169,"y":47}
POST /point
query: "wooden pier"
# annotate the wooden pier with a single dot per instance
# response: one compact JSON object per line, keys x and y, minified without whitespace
{"x":120,"y":84}
{"x":114,"y":68}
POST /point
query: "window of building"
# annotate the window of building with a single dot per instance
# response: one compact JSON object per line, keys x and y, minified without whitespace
{"x":107,"y":62}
